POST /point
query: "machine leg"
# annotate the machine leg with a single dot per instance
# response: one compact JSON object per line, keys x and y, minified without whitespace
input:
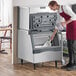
{"x":56,"y":64}
{"x":22,"y":61}
{"x":34,"y":66}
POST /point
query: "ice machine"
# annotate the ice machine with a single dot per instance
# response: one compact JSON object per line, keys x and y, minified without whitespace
{"x":36,"y":26}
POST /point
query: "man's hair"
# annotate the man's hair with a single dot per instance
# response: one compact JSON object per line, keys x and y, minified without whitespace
{"x":52,"y":3}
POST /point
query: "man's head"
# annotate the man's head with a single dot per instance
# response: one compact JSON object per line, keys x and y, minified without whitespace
{"x":53,"y":5}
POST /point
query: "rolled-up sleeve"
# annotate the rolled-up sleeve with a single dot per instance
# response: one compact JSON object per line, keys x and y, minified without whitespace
{"x":68,"y":10}
{"x":59,"y":18}
{"x":58,"y":22}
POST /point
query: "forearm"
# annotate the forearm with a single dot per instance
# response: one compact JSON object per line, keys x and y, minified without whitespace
{"x":53,"y":35}
{"x":55,"y":31}
{"x":69,"y":21}
{"x":66,"y":22}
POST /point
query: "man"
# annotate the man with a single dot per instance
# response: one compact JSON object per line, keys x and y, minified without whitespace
{"x":70,"y":22}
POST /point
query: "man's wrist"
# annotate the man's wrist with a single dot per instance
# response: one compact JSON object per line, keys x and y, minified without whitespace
{"x":66,"y":22}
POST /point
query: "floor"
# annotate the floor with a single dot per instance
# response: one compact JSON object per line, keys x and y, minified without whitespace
{"x":45,"y":69}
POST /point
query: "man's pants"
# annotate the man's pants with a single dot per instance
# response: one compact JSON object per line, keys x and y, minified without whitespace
{"x":72,"y":51}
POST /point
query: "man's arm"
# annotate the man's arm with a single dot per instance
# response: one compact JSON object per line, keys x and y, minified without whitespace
{"x":53,"y":35}
{"x":68,"y":10}
{"x":66,"y":22}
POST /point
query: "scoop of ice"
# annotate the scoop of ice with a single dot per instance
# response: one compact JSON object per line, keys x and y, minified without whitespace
{"x":47,"y":43}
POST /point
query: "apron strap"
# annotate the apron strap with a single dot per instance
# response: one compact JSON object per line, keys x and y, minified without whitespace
{"x":62,"y":8}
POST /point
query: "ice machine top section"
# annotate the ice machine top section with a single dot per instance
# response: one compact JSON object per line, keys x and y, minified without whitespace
{"x":42,"y":21}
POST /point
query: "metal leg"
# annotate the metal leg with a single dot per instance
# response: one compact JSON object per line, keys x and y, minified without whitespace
{"x":42,"y":64}
{"x":22,"y":61}
{"x":34,"y":66}
{"x":56,"y":64}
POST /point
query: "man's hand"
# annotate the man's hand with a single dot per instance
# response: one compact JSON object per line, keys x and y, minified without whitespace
{"x":63,"y":24}
{"x":66,"y":22}
{"x":52,"y":37}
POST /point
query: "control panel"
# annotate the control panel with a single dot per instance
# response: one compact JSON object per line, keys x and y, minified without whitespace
{"x":43,"y":21}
